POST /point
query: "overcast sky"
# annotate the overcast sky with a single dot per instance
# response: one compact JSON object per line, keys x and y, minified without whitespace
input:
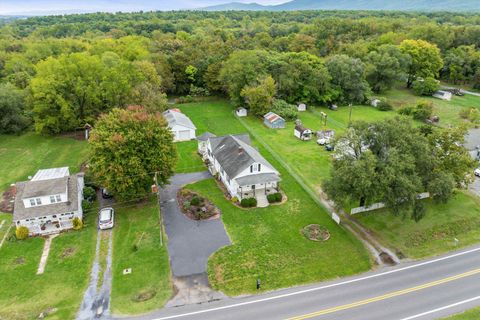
{"x":33,"y":6}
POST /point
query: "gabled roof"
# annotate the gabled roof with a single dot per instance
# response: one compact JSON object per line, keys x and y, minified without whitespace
{"x":41,"y":188}
{"x":272,"y":117}
{"x":301,"y":128}
{"x":175,"y":117}
{"x":235,"y":154}
{"x":207,"y":135}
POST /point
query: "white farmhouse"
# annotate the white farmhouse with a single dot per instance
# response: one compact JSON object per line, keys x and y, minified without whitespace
{"x":241,"y":168}
{"x":49,"y":202}
{"x":182,"y":127}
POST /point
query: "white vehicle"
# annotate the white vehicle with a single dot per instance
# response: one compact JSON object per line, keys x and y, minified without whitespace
{"x":477,"y":172}
{"x":106,"y":218}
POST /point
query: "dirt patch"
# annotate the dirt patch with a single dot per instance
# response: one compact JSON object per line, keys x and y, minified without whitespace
{"x":386,"y":259}
{"x":6,"y":202}
{"x":196,"y":207}
{"x":145,"y":295}
{"x":68,"y":252}
{"x":19,"y":261}
{"x":316,"y":232}
{"x":219,"y":274}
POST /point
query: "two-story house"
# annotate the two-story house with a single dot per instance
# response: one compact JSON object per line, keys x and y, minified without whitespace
{"x":49,"y":202}
{"x":241,"y":168}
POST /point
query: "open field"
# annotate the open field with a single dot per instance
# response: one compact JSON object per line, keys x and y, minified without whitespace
{"x":21,"y":156}
{"x":60,"y":288}
{"x":267,"y":243}
{"x":148,"y":287}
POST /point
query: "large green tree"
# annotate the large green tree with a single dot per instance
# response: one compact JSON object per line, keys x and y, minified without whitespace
{"x":426,"y":60}
{"x":12,"y":113}
{"x":259,"y":98}
{"x":127,"y":146}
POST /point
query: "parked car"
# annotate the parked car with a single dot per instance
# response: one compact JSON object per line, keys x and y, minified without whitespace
{"x":106,"y":194}
{"x":106,"y":218}
{"x":477,"y":172}
{"x":329,"y":147}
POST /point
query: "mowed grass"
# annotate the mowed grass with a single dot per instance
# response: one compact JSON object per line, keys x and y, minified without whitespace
{"x":188,"y":159}
{"x":7,"y":218}
{"x":21,"y":156}
{"x":24,"y":295}
{"x":150,"y":277}
{"x":435,"y":233}
{"x":473,"y":314}
{"x":267,"y":243}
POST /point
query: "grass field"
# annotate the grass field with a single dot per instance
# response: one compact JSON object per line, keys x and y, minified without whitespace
{"x":267,"y":243}
{"x":150,"y":277}
{"x":188,"y":159}
{"x":25,"y":295}
{"x":21,"y":156}
{"x":473,"y":314}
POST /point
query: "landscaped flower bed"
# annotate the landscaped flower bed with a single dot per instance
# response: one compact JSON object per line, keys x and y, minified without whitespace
{"x":195,"y":206}
{"x":316,"y":232}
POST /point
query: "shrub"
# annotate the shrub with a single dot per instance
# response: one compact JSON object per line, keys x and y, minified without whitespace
{"x":196,"y":201}
{"x":22,"y":233}
{"x":284,"y":109}
{"x":406,"y":111}
{"x":425,"y":87}
{"x":77,"y":223}
{"x":248,"y":202}
{"x":274,"y":197}
{"x":89,"y":194}
{"x":423,"y":111}
{"x":135,"y":248}
{"x":87,"y":206}
{"x":186,"y":205}
{"x":234,"y":199}
{"x":384,"y":105}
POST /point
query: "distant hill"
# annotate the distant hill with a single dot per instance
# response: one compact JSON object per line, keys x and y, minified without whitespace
{"x":403,"y":5}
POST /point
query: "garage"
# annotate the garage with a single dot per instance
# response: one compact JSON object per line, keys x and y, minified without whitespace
{"x":184,"y":135}
{"x":181,"y":126}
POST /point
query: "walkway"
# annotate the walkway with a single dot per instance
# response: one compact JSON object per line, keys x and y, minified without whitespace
{"x":190,"y":244}
{"x":45,"y":253}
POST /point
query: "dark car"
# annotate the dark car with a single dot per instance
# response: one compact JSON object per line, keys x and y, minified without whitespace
{"x":106,"y":194}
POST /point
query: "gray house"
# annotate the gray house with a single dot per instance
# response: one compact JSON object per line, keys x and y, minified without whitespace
{"x":49,"y":202}
{"x":274,"y":121}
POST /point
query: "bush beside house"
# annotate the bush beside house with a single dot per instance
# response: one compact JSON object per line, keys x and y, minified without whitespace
{"x":274,"y":197}
{"x":21,"y":233}
{"x":248,"y":202}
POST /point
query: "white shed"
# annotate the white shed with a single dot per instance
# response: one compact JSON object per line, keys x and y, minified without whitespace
{"x":302,"y":133}
{"x":182,"y":127}
{"x":375,"y":102}
{"x":301,"y":107}
{"x":241,"y":112}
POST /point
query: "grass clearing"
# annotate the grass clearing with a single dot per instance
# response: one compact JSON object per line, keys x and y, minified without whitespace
{"x":150,"y":278}
{"x":188,"y":159}
{"x":25,"y":295}
{"x":267,"y":243}
{"x":21,"y":156}
{"x":473,"y":314}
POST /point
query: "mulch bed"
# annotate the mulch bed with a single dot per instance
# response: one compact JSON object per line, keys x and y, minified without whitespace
{"x":315,"y":232}
{"x":6,"y":202}
{"x":196,"y":207}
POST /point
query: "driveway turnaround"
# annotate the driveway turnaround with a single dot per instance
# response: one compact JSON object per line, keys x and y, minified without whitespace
{"x":428,"y":289}
{"x":190,"y":243}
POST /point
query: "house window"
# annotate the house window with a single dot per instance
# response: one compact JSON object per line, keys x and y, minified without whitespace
{"x":59,"y":199}
{"x":32,"y":202}
{"x":39,"y":201}
{"x":52,"y":199}
{"x":256,"y":167}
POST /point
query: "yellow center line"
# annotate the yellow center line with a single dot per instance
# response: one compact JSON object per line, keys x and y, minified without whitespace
{"x":385,"y":296}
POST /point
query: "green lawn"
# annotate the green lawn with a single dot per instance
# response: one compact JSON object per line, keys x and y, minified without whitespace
{"x":267,"y":243}
{"x":150,"y":277}
{"x":188,"y":159}
{"x":25,"y":295}
{"x":21,"y":156}
{"x":448,"y":111}
{"x":435,"y":233}
{"x":473,"y":314}
{"x":8,"y":221}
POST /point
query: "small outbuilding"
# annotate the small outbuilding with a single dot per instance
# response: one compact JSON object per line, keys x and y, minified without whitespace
{"x":274,"y":121}
{"x":375,"y":102}
{"x":302,"y":133}
{"x":241,"y":112}
{"x":181,"y":126}
{"x":202,"y":142}
{"x":301,"y":107}
{"x":443,"y":95}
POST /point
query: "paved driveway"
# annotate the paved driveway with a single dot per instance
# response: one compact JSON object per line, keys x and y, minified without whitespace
{"x":475,"y":186}
{"x":190,"y":243}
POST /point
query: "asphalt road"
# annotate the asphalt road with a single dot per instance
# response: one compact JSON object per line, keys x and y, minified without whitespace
{"x":429,"y":289}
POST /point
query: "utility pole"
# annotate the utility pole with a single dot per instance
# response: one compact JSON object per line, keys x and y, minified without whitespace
{"x":159,"y":209}
{"x":350,"y":115}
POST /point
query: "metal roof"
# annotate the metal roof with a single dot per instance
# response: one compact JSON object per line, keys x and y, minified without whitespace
{"x":272,"y":117}
{"x":257,"y":178}
{"x":53,"y":173}
{"x":41,"y":188}
{"x":207,"y":135}
{"x":175,"y":117}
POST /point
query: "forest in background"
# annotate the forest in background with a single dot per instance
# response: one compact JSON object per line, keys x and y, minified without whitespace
{"x":59,"y":72}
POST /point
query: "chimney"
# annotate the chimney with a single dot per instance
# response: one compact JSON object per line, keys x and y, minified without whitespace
{"x":240,"y":150}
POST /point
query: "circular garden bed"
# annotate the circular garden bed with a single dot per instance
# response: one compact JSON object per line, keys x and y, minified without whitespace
{"x":195,"y":206}
{"x":316,"y":232}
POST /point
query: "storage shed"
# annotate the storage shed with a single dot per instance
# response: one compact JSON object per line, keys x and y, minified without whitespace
{"x":302,"y":133}
{"x":241,"y":112}
{"x":181,"y":126}
{"x":274,"y":121}
{"x":301,"y":107}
